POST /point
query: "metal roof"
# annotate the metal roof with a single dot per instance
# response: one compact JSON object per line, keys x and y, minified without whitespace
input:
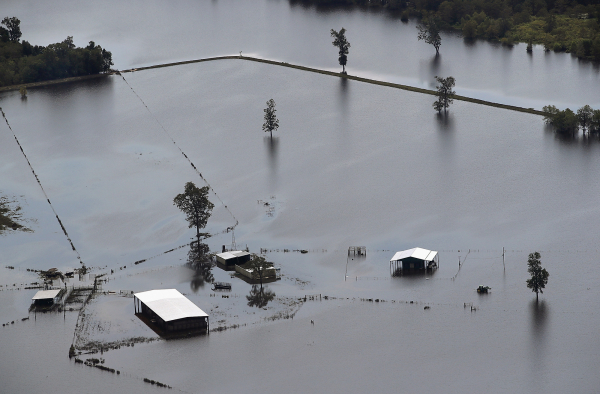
{"x":45,"y":294}
{"x":417,"y":253}
{"x":170,"y":304}
{"x":233,"y":254}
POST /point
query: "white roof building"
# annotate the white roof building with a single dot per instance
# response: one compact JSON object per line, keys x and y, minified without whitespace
{"x":169,"y":304}
{"x":417,"y":253}
{"x":45,"y":295}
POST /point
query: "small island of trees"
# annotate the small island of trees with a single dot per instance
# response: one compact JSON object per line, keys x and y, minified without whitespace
{"x":21,"y":62}
{"x":568,"y":122}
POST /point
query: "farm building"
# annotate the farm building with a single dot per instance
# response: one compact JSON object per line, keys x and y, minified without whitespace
{"x":170,"y":310}
{"x":46,"y":297}
{"x":230,"y":259}
{"x":414,"y":259}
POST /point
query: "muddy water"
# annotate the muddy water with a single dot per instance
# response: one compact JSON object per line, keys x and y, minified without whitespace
{"x":141,"y":33}
{"x":352,"y":164}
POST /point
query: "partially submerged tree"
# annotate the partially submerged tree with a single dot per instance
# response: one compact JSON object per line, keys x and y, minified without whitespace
{"x":564,"y":122}
{"x":539,"y":275}
{"x":343,"y":45}
{"x":584,"y":116}
{"x":271,"y":121}
{"x":445,"y":93}
{"x":195,"y":204}
{"x":429,"y":32}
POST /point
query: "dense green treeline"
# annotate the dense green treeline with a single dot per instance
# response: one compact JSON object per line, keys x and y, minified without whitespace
{"x":559,"y":25}
{"x":21,"y":62}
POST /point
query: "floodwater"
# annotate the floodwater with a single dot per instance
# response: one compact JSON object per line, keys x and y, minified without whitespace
{"x":351,"y":164}
{"x":142,"y":33}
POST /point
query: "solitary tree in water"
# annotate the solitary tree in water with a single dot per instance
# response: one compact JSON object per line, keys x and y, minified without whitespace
{"x":195,"y":204}
{"x":343,"y":45}
{"x":271,"y":121}
{"x":430,"y":33}
{"x":445,"y":93}
{"x":539,"y":275}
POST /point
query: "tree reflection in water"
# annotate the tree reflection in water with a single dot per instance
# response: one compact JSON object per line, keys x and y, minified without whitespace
{"x":201,"y":262}
{"x":259,"y":296}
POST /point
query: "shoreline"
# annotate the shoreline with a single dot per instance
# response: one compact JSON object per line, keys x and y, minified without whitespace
{"x":282,"y":64}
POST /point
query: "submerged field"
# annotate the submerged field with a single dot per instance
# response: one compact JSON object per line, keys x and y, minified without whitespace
{"x":352,"y":164}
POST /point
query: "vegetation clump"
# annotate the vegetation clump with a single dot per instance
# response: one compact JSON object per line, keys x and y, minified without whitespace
{"x":271,"y":122}
{"x":445,"y":93}
{"x":558,"y":25}
{"x":21,"y":62}
{"x":196,"y":206}
{"x":539,"y":275}
{"x":343,"y":46}
{"x":567,"y":122}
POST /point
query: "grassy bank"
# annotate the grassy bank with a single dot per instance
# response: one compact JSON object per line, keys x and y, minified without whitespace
{"x":294,"y":66}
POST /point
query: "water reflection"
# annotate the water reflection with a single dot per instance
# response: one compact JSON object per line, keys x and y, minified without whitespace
{"x":434,"y":65}
{"x":11,"y":216}
{"x":272,"y":145}
{"x":539,"y":321}
{"x":260,"y":296}
{"x":445,"y":122}
{"x":201,"y":262}
{"x":343,"y":94}
{"x":413,"y":274}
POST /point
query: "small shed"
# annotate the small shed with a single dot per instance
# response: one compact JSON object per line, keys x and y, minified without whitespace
{"x":236,"y":257}
{"x":415,"y":259}
{"x":46,"y":297}
{"x":170,"y":310}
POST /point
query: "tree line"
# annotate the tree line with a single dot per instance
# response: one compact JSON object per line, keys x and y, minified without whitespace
{"x":558,"y":25}
{"x":569,"y":122}
{"x":21,"y":62}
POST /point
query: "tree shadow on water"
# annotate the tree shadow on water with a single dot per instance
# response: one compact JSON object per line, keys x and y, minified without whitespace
{"x":201,"y":262}
{"x":260,"y":296}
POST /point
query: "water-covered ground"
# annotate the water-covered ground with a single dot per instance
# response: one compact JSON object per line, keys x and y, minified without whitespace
{"x":352,"y":164}
{"x":142,"y":33}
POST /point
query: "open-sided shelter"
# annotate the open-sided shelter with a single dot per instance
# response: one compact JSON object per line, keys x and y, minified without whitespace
{"x":45,"y":297}
{"x":415,"y":259}
{"x":170,"y":310}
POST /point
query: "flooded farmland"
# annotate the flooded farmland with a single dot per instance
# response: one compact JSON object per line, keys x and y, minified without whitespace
{"x":352,"y":164}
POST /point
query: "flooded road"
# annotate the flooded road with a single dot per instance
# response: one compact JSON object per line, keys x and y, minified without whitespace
{"x":351,"y":164}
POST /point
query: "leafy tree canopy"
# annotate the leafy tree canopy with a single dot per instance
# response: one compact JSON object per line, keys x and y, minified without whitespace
{"x":539,"y":275}
{"x":196,"y":206}
{"x":21,"y":62}
{"x":343,"y":46}
{"x":445,"y":93}
{"x":271,"y":121}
